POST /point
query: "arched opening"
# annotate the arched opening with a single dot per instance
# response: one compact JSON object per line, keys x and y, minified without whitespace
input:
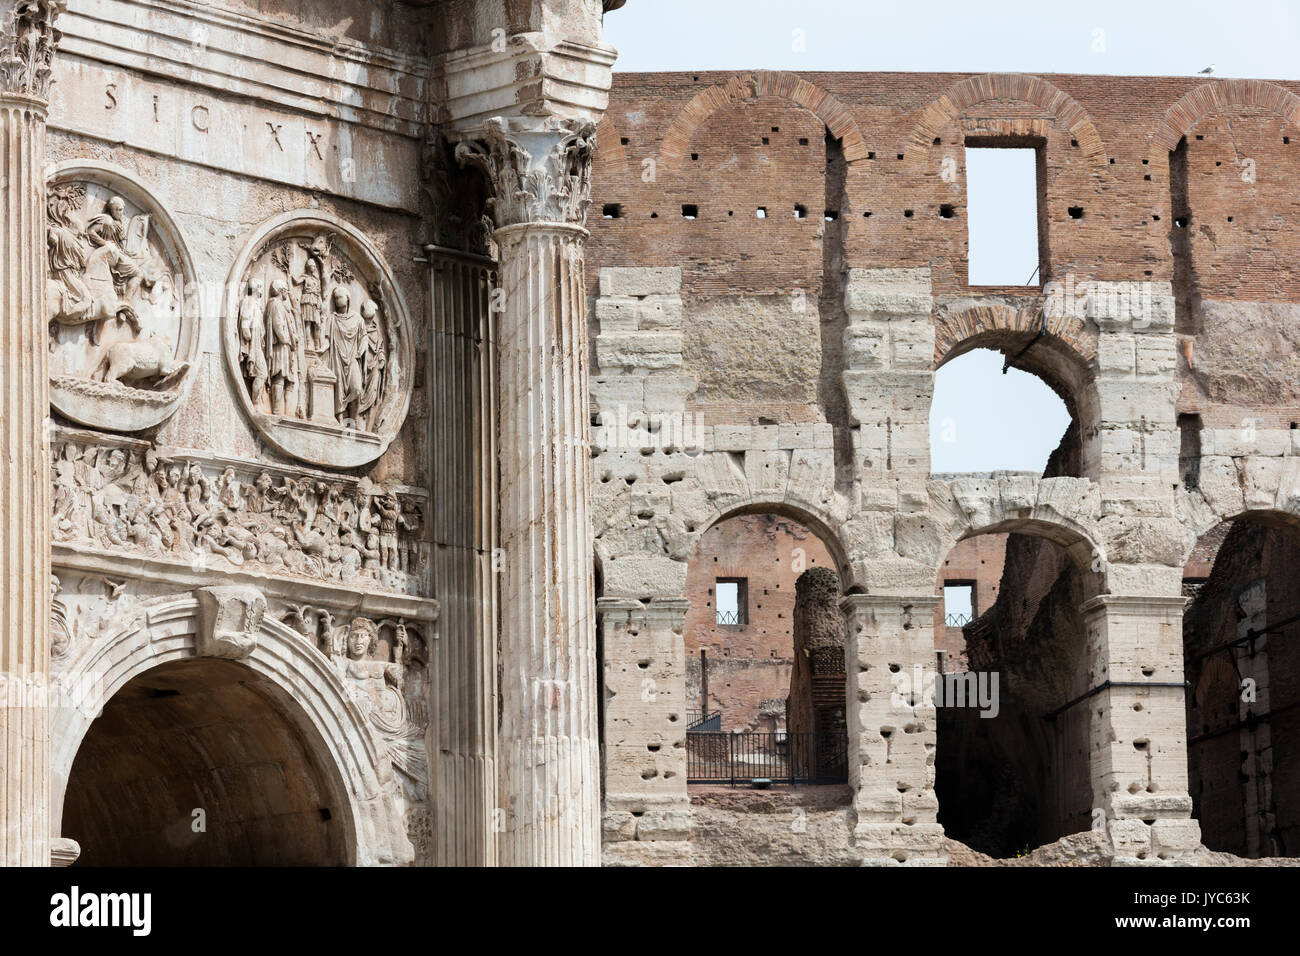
{"x":764,"y":637}
{"x":1241,"y":644}
{"x":982,"y":420}
{"x":1012,"y":740}
{"x":204,"y":763}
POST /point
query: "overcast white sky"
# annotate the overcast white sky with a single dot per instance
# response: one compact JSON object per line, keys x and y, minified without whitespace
{"x":993,"y":421}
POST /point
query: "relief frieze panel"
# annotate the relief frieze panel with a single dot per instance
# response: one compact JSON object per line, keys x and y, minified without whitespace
{"x":130,"y":498}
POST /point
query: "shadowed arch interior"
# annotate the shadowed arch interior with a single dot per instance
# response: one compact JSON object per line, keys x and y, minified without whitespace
{"x":205,"y":735}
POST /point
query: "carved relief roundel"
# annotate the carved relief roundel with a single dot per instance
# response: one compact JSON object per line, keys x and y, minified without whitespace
{"x":123,"y":332}
{"x":318,"y":341}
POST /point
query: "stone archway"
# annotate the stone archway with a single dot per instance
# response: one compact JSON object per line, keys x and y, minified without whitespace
{"x":193,"y":762}
{"x":217,"y":648}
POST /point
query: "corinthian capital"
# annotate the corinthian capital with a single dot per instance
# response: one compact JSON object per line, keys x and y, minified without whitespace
{"x":537,"y":171}
{"x":28,"y":40}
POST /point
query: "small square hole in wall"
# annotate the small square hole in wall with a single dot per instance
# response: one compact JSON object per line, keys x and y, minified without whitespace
{"x":623,"y":140}
{"x":831,"y":215}
{"x":690,"y":211}
{"x":766,"y":141}
{"x":800,"y":212}
{"x":1286,"y":140}
{"x":946,"y":211}
{"x":1076,"y":212}
{"x":776,"y":129}
{"x":761,"y":212}
{"x":803,"y":140}
{"x":907,"y":214}
{"x":612,"y":210}
{"x":695,"y":157}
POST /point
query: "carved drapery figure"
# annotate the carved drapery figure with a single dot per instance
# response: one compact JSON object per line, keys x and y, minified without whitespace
{"x":127,"y":499}
{"x":327,"y":326}
{"x":252,"y":338}
{"x":282,"y":344}
{"x":346,"y":346}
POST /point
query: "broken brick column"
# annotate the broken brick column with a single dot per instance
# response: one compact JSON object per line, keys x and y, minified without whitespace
{"x":27,"y":43}
{"x":1138,"y":725}
{"x":889,"y":653}
{"x":548,"y":750}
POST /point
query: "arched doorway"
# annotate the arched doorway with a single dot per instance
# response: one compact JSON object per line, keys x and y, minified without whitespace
{"x":197,"y":763}
{"x":764,"y":640}
{"x":1241,"y":643}
{"x":1012,"y":769}
{"x":166,"y":709}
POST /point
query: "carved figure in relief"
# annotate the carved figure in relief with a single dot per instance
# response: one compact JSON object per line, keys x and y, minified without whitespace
{"x":309,"y":302}
{"x":152,"y":358}
{"x":109,"y":288}
{"x":347,"y":348}
{"x":283,"y":342}
{"x":337,"y":349}
{"x":129,"y":499}
{"x":252,"y":338}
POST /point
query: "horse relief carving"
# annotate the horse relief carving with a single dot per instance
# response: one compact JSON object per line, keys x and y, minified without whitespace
{"x":121,"y":340}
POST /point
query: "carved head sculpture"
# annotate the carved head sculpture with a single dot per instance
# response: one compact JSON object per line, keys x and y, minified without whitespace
{"x":341,"y":300}
{"x":278,"y":288}
{"x":363,"y":635}
{"x":255,"y":288}
{"x":116,"y":208}
{"x":369,"y":311}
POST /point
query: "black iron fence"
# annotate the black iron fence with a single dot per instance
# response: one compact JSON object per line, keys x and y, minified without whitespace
{"x":716,"y":757}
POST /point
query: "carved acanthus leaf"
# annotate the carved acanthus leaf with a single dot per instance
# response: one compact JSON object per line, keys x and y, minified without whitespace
{"x":550,"y":184}
{"x":28,"y":40}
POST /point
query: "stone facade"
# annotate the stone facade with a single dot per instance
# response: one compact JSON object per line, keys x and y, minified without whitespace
{"x":373,"y":380}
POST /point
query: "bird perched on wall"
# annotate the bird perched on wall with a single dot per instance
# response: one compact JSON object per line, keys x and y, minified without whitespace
{"x":1208,"y":70}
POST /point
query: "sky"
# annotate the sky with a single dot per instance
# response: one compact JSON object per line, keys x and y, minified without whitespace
{"x":981,"y":420}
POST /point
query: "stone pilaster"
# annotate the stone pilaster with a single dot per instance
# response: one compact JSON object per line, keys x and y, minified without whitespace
{"x":1138,"y":725}
{"x":548,"y":751}
{"x":889,"y":660}
{"x":462,"y":440}
{"x":647,"y":814}
{"x":27,"y":43}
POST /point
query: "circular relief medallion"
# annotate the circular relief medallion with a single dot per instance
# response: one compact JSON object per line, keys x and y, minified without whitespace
{"x":123,"y":333}
{"x":318,"y":342}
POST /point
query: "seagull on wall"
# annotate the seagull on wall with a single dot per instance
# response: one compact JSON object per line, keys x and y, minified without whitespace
{"x":1208,"y":70}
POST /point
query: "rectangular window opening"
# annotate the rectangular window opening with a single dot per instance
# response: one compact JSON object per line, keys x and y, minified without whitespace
{"x":1003,"y":195}
{"x":690,"y":211}
{"x":732,"y":601}
{"x":958,"y":603}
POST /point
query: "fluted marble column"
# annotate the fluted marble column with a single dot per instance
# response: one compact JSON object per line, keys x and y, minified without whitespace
{"x":548,"y":751}
{"x":463,"y":439}
{"x":27,"y":43}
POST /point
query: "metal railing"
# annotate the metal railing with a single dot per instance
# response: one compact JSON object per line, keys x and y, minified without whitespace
{"x":729,"y":617}
{"x":716,"y":757}
{"x":958,"y":620}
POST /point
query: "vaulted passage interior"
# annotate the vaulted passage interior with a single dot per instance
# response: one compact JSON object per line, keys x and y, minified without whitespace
{"x":1011,"y":753}
{"x":1242,"y":658}
{"x":210,"y":736}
